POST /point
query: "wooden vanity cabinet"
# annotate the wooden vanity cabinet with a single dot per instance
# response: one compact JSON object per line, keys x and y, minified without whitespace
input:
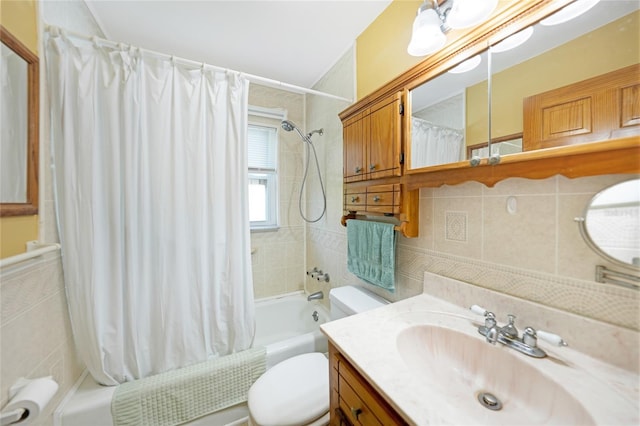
{"x":353,"y":401}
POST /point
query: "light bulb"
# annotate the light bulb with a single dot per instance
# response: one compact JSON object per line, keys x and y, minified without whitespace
{"x":569,"y":12}
{"x":467,"y":65}
{"x":427,"y":36}
{"x":469,"y":13}
{"x":513,"y":41}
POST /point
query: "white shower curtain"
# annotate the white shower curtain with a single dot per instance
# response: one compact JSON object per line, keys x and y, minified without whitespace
{"x":432,"y":145}
{"x":151,"y":194}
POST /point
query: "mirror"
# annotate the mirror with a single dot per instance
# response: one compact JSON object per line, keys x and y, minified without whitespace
{"x":600,"y":41}
{"x":19,"y":137}
{"x":610,"y":223}
{"x":535,"y":84}
{"x":443,"y":119}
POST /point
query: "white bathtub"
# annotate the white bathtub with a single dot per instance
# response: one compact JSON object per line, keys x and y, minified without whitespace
{"x":284,"y":324}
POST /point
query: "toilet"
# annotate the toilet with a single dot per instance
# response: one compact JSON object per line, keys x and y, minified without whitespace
{"x":295,"y":392}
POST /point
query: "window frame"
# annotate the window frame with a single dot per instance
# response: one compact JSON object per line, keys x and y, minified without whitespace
{"x":272,"y":198}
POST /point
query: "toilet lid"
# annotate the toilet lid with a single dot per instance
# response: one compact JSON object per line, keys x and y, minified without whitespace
{"x":293,"y":392}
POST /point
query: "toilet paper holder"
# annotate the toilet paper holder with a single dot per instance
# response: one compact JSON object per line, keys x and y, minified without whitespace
{"x":20,"y":415}
{"x":11,"y":417}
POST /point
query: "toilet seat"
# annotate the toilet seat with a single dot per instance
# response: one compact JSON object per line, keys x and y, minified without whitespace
{"x":292,"y":393}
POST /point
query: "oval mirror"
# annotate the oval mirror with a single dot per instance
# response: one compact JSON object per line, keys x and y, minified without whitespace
{"x":610,"y":223}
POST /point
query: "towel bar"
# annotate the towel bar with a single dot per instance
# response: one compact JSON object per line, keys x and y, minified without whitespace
{"x":400,"y":228}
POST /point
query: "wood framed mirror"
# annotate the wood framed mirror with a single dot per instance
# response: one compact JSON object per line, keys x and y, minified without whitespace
{"x":20,"y":120}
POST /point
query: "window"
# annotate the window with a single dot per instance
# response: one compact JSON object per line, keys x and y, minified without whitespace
{"x":263,"y":177}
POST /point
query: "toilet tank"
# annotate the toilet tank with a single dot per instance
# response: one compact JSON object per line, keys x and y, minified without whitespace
{"x":351,"y":300}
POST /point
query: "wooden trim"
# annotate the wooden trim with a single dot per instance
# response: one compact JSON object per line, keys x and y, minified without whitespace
{"x":505,"y":138}
{"x":590,"y":159}
{"x":30,"y":207}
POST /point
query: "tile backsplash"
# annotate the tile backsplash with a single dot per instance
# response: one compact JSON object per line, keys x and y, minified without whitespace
{"x":36,"y":338}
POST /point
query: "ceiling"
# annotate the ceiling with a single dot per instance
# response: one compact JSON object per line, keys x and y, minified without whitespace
{"x":295,"y":41}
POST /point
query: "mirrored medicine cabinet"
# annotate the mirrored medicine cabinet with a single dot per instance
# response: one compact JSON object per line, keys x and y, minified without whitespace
{"x":455,"y":118}
{"x":19,"y":137}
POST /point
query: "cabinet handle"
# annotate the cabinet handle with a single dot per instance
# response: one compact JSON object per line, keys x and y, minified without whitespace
{"x":376,"y":199}
{"x":354,"y":199}
{"x":372,"y":167}
{"x":358,"y":169}
{"x":356,"y":412}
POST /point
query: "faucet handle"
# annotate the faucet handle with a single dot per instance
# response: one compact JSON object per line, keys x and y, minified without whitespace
{"x":489,"y":317}
{"x":530,"y":337}
{"x":478,"y":310}
{"x":551,"y":338}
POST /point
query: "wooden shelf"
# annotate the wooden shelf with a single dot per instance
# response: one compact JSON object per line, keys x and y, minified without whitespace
{"x":619,"y":156}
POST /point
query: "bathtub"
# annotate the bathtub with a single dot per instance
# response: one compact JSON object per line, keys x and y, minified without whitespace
{"x":285,"y":325}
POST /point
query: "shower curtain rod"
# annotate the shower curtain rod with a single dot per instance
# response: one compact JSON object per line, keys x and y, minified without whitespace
{"x":52,"y":29}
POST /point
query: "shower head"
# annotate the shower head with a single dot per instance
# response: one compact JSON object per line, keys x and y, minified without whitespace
{"x":288,"y":125}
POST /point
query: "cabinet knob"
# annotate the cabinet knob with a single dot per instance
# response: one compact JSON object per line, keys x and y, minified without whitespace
{"x":372,"y":167}
{"x":376,"y":198}
{"x":358,"y":169}
{"x":354,"y":199}
{"x":356,"y":412}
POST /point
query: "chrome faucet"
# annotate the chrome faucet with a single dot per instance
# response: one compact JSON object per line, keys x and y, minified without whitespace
{"x":508,"y":335}
{"x":315,"y":296}
{"x":491,"y":330}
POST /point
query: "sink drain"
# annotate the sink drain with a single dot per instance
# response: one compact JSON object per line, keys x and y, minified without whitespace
{"x":489,"y":401}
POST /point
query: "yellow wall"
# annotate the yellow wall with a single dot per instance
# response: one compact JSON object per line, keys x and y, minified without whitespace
{"x":381,"y":49}
{"x":19,"y":17}
{"x":15,"y":232}
{"x":608,"y":48}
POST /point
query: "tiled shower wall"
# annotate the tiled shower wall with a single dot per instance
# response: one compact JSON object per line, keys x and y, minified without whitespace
{"x":278,"y":256}
{"x":466,"y":232}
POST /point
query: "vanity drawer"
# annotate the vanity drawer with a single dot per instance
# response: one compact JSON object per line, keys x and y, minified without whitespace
{"x":355,"y":201}
{"x":357,"y":393}
{"x":383,"y":199}
{"x":354,"y":408}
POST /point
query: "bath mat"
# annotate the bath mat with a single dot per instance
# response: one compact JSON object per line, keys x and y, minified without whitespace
{"x":182,"y":395}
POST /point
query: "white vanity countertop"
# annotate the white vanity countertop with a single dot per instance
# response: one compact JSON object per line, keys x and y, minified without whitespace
{"x":609,"y":394}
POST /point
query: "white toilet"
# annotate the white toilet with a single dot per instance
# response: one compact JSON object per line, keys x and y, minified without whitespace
{"x":295,"y":392}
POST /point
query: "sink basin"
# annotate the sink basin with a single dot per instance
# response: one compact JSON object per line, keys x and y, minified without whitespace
{"x":459,"y":370}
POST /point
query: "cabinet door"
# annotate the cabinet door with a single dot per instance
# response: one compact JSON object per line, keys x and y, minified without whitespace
{"x":356,"y":130}
{"x":384,"y":139}
{"x":600,"y":108}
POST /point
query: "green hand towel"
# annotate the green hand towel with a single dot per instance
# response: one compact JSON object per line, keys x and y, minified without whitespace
{"x":371,"y":252}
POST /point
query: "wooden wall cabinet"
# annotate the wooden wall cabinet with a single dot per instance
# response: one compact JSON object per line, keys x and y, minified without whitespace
{"x":353,"y":401}
{"x":373,"y":164}
{"x":372,"y":141}
{"x":600,"y":108}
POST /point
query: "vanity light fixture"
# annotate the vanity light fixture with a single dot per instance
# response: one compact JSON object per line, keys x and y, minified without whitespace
{"x":513,"y":41}
{"x":428,"y":32}
{"x":467,"y":65}
{"x":569,"y":12}
{"x":434,"y":20}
